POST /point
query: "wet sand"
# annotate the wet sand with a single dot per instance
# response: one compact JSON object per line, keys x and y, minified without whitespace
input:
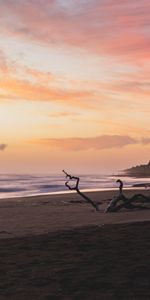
{"x":49,"y":213}
{"x":58,"y":247}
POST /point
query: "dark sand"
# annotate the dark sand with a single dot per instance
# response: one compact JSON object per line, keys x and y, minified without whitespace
{"x":56,"y":247}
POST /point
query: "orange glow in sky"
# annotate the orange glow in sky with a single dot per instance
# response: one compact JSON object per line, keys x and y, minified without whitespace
{"x":74,"y":85}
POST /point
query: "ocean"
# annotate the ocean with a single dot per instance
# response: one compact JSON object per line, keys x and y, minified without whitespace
{"x":23,"y":185}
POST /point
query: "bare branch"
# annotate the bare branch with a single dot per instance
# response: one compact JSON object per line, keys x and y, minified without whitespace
{"x":123,"y":202}
{"x":76,"y":188}
{"x":120,"y":185}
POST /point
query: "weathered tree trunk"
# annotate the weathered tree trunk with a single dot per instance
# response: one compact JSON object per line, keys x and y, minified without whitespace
{"x":76,"y":188}
{"x":127,"y":202}
{"x":134,"y":199}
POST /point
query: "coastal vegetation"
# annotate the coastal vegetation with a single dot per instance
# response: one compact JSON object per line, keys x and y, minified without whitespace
{"x":139,"y":170}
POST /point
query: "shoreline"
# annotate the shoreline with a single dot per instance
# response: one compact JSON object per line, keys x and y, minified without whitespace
{"x":26,"y":185}
{"x":50,"y":213}
{"x":140,"y":188}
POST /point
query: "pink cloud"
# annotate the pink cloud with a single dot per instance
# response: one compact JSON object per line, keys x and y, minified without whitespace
{"x":19,"y":82}
{"x":3,"y":63}
{"x":83,"y":144}
{"x":115,"y":28}
{"x":64,"y":114}
{"x":2,"y":147}
{"x":146,"y":140}
{"x":16,"y":89}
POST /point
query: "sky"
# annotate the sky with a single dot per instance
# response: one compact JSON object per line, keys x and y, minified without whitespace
{"x":74,"y":85}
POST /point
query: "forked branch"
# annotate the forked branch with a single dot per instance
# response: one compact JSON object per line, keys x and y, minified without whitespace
{"x":76,"y":188}
{"x":121,"y":201}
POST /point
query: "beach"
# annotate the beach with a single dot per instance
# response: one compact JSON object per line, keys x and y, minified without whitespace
{"x":59,"y":247}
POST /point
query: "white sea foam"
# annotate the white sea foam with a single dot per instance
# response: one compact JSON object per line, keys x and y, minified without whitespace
{"x":20,"y":185}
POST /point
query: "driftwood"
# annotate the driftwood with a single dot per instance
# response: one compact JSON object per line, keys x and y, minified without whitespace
{"x":76,"y":188}
{"x":121,"y":201}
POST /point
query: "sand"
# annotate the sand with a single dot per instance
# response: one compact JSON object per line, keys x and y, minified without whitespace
{"x":58,"y":247}
{"x":49,"y":213}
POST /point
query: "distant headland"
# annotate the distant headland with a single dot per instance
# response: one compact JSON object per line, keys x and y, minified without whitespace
{"x":138,"y":171}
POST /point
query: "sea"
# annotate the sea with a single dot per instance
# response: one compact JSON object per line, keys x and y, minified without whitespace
{"x":24,"y":185}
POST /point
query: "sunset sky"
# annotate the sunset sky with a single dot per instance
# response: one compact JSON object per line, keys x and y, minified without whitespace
{"x":74,"y":85}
